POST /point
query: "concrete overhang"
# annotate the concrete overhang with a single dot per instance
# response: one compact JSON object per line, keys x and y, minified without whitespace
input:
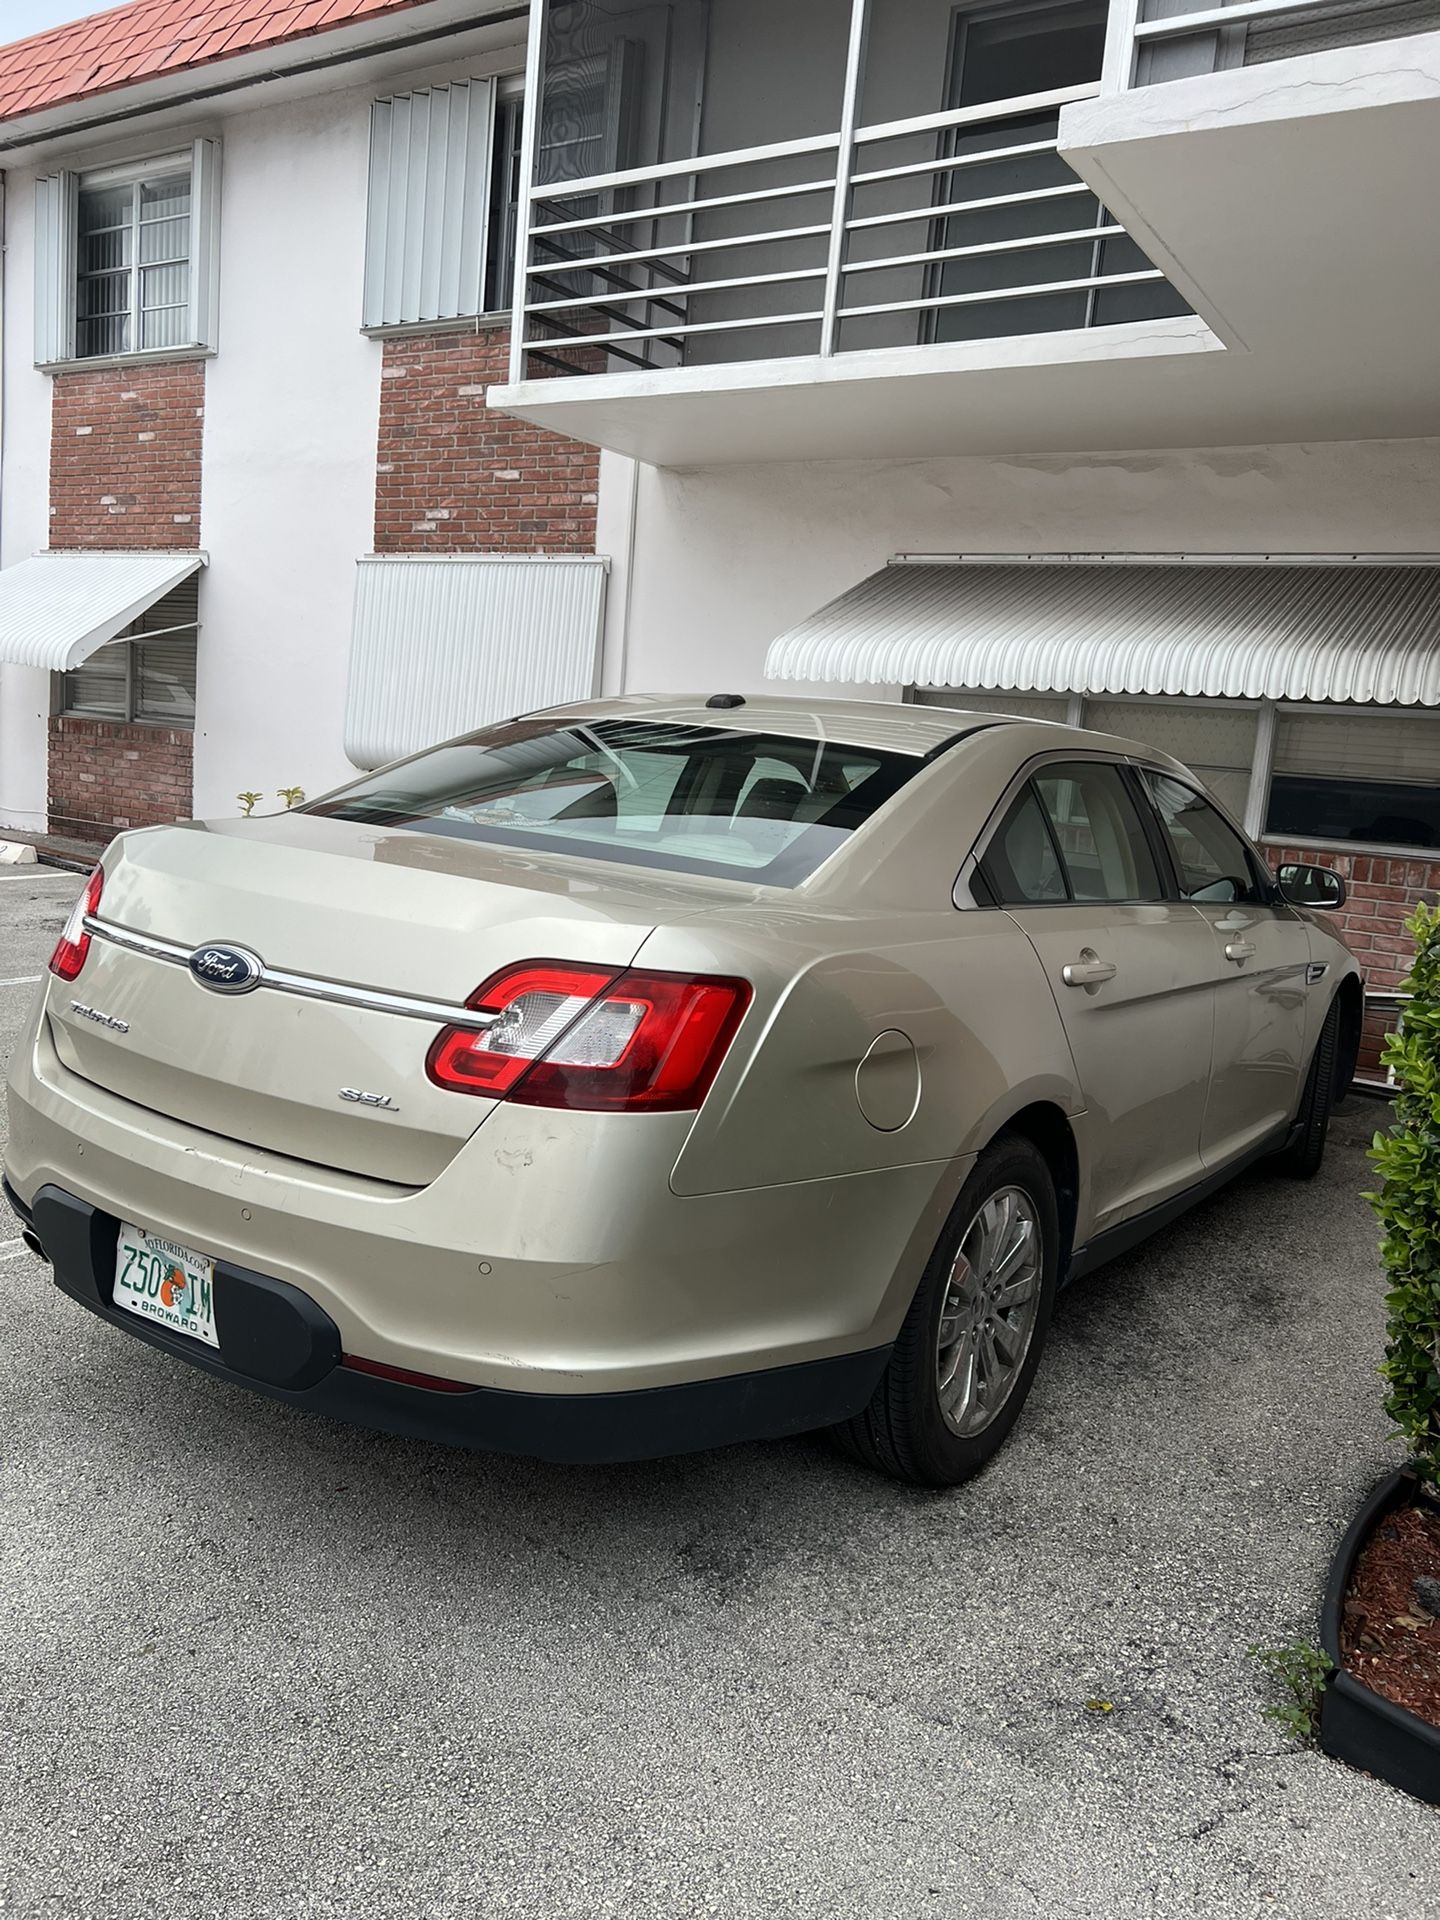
{"x":1293,"y":204}
{"x":1159,"y":383}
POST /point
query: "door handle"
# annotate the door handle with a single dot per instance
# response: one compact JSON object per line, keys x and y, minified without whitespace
{"x":1240,"y":951}
{"x":1088,"y":971}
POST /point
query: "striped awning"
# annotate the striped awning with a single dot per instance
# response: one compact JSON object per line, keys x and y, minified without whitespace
{"x":444,"y":645}
{"x":1264,"y":631}
{"x":58,"y":608}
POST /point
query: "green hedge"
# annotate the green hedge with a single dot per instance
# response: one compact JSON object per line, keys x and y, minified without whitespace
{"x":1408,"y":1203}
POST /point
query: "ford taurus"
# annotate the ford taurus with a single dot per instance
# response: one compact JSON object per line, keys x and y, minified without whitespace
{"x":652,"y":1074}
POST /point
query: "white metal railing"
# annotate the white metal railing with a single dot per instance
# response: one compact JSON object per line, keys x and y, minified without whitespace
{"x":615,"y":265}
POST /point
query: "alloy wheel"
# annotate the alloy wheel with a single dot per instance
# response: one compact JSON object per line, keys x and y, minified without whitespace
{"x":987,"y":1317}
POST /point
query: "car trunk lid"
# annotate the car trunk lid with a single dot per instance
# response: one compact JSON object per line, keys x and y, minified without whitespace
{"x":363,"y":911}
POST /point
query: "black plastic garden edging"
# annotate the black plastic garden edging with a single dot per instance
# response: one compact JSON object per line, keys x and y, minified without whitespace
{"x":1357,"y":1725}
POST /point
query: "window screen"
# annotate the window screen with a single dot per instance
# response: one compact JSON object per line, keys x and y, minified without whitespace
{"x":1216,"y":743}
{"x":1361,"y":777}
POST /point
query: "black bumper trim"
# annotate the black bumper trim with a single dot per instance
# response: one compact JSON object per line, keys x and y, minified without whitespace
{"x":278,"y":1342}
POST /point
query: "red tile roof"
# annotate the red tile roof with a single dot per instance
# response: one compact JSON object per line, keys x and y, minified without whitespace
{"x":147,"y":38}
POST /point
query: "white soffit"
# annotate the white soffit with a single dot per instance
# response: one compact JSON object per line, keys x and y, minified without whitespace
{"x":442,"y":646}
{"x":56,"y":609}
{"x":1280,"y":631}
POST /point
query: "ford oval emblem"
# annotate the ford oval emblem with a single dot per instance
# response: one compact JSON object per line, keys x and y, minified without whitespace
{"x":226,"y":969}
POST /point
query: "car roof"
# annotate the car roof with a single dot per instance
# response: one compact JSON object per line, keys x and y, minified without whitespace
{"x":885,"y":725}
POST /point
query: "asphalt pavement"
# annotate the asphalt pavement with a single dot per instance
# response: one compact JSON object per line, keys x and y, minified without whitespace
{"x":253,"y":1664}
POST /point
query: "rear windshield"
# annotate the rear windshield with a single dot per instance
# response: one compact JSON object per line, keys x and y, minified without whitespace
{"x":692,"y":799}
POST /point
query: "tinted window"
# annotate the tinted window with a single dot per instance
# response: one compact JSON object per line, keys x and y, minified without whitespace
{"x":1099,"y":833}
{"x":1384,"y":813}
{"x":1073,"y":834}
{"x":1020,"y":865}
{"x":1213,"y":862}
{"x":691,"y":799}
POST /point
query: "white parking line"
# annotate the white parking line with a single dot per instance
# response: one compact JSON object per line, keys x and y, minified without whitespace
{"x":12,"y":1249}
{"x":23,"y":980}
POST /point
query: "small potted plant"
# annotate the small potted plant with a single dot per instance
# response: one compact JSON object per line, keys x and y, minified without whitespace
{"x":1380,"y":1626}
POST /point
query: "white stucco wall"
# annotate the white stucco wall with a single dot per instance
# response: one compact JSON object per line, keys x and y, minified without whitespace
{"x":727,"y":558}
{"x":288,"y":495}
{"x":292,"y":406}
{"x":24,"y":512}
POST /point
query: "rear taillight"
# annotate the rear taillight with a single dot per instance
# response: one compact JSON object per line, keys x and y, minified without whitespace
{"x":74,"y":943}
{"x":587,"y":1037}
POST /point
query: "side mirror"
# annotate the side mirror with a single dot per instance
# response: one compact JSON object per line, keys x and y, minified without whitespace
{"x":1311,"y":886}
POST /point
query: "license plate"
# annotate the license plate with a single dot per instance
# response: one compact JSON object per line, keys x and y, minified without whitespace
{"x":162,"y":1281}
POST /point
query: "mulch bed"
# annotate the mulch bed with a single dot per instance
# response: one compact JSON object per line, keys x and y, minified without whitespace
{"x":1389,"y":1639}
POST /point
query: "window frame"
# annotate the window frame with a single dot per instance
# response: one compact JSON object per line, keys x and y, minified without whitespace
{"x":132,"y":642}
{"x":135,"y":179}
{"x":1262,"y":879}
{"x":973,"y":887}
{"x":57,"y":275}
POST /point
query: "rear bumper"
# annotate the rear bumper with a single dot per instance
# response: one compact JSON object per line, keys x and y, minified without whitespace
{"x":278,"y":1342}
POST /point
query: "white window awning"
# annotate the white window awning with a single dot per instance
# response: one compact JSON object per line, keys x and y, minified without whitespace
{"x":1264,"y":630}
{"x":56,"y":609}
{"x":446,"y":644}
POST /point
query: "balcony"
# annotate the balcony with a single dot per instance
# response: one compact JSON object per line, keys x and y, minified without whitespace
{"x":1019,"y":229}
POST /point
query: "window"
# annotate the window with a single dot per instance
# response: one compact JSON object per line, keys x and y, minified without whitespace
{"x":1006,"y":53}
{"x":687,"y":799}
{"x":1021,"y":866}
{"x":1212,"y":860}
{"x":149,"y":672}
{"x":443,"y":203}
{"x":1357,"y":777}
{"x":1099,"y":833}
{"x":125,"y":260}
{"x":133,"y":290}
{"x":1074,"y":834}
{"x":1216,"y":743}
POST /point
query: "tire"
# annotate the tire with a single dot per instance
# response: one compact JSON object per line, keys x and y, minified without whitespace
{"x":1301,"y":1160}
{"x":905,"y":1431}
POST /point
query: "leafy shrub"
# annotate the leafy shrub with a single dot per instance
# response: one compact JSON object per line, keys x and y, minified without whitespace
{"x":1302,"y":1671}
{"x":1408,"y":1203}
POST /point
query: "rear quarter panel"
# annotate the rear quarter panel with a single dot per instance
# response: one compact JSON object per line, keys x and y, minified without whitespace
{"x":965,"y":989}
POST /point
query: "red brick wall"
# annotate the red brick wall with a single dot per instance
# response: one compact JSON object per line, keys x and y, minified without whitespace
{"x":125,"y":447}
{"x":1381,"y":890}
{"x":125,"y":456}
{"x":105,"y":776}
{"x":454,"y":477}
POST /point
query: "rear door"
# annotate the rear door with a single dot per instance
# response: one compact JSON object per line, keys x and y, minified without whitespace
{"x":1260,"y":958}
{"x":1131,"y":970}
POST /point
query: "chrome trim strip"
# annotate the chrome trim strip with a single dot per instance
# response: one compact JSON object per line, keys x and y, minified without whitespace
{"x":304,"y":985}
